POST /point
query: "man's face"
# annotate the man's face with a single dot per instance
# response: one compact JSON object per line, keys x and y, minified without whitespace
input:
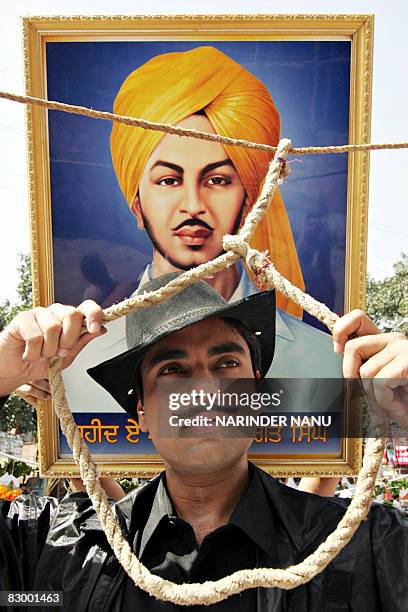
{"x":208,"y":350}
{"x":190,"y":195}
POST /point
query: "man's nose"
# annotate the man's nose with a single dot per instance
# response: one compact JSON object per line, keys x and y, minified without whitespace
{"x":192,"y":203}
{"x":206,"y":378}
{"x":204,"y":382}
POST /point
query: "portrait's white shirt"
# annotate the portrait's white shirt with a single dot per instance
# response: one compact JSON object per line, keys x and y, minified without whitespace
{"x":301,"y":351}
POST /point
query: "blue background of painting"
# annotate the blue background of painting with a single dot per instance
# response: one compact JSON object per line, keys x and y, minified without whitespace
{"x":309,"y":82}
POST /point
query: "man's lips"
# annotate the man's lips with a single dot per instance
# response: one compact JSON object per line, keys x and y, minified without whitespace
{"x":193,"y":235}
{"x":191,"y":231}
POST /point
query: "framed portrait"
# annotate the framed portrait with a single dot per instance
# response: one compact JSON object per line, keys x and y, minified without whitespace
{"x":113,"y":206}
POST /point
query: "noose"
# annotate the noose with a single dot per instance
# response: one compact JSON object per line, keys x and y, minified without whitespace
{"x":214,"y":591}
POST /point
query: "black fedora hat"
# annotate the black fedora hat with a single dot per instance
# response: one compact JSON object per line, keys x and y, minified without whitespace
{"x":197,"y":302}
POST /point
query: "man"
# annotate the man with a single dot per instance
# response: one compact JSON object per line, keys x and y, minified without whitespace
{"x":187,"y":193}
{"x":205,"y":89}
{"x":210,"y":513}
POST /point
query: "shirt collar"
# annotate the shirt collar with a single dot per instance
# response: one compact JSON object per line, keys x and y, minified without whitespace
{"x":244,"y":288}
{"x":270,"y":513}
{"x":162,"y":508}
{"x":254,"y":514}
{"x":147,"y":275}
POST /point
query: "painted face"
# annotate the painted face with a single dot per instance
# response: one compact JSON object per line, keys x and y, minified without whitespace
{"x":190,"y":195}
{"x":211,"y":350}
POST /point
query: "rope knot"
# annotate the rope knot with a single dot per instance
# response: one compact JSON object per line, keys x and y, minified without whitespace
{"x":236,"y":244}
{"x":258,"y":262}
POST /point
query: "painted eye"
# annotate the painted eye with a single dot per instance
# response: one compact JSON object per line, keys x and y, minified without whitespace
{"x":169,"y":181}
{"x":219,"y":180}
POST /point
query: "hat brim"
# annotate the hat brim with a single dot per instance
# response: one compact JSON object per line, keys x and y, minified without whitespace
{"x":258,"y":311}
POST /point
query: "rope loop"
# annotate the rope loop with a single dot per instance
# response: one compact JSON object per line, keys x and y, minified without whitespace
{"x":189,"y":594}
{"x":236,"y":247}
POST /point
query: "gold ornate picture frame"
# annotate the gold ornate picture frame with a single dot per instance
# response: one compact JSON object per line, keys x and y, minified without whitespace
{"x":84,"y":60}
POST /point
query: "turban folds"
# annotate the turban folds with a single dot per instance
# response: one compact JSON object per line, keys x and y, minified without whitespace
{"x":170,"y":87}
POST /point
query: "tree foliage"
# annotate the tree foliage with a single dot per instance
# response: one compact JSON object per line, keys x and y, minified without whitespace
{"x":15,"y":468}
{"x":16,"y":412}
{"x":387,"y":299}
{"x":24,"y":293}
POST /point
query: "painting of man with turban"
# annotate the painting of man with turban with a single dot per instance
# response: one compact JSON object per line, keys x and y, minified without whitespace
{"x":201,"y":89}
{"x":187,"y":193}
{"x":125,"y":205}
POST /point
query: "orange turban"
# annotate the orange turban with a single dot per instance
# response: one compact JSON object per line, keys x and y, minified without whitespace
{"x":170,"y":87}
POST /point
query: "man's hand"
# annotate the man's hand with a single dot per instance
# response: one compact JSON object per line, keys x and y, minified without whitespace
{"x":111,"y":486}
{"x":380,"y":360}
{"x":35,"y":390}
{"x":36,"y":335}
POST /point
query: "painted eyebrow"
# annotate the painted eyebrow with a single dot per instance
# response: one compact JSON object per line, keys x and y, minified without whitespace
{"x":210,"y":167}
{"x":226,"y":347}
{"x":204,"y":171}
{"x":167,"y":165}
{"x":165,"y":355}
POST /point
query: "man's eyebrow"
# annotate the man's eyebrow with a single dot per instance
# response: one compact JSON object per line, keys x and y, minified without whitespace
{"x":167,"y":164}
{"x":210,"y":167}
{"x":204,"y":171}
{"x":226,"y":347}
{"x":165,"y":355}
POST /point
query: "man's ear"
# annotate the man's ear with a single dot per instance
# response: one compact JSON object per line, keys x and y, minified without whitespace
{"x":137,"y":211}
{"x":142,"y":418}
{"x":245,"y":211}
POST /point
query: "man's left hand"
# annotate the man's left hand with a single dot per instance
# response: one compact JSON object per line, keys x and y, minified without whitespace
{"x":379,"y":359}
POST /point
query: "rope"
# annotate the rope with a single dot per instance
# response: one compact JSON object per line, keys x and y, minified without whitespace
{"x":172,"y":129}
{"x":212,"y":592}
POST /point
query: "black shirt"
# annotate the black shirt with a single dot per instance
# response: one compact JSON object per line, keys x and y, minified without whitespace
{"x":51,"y":546}
{"x":167,"y":546}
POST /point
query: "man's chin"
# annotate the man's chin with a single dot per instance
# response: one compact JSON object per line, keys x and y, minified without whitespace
{"x":190,"y":259}
{"x":208,"y":454}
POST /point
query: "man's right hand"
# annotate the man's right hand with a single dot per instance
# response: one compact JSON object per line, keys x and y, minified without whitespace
{"x":34,"y":336}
